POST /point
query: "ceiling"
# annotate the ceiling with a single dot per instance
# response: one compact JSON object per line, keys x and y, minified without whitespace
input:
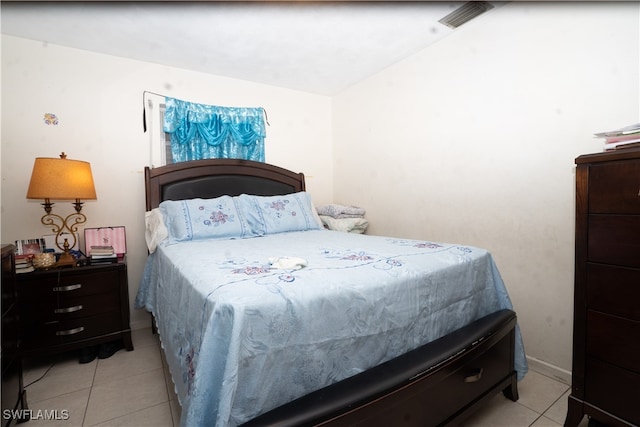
{"x":318,"y":47}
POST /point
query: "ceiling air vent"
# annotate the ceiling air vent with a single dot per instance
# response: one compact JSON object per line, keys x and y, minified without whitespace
{"x":465,"y":13}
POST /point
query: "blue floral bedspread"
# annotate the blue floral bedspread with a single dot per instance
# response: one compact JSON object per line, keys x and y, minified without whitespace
{"x":242,"y":337}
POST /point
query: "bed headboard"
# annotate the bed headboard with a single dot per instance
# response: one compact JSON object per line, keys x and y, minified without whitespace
{"x":217,"y":177}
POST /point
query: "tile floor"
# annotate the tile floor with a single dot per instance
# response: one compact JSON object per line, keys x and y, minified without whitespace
{"x":133,"y":389}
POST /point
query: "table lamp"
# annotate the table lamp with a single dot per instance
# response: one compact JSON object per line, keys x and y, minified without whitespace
{"x":62,"y":179}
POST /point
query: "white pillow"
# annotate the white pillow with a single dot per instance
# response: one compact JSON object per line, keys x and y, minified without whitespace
{"x":155,"y":231}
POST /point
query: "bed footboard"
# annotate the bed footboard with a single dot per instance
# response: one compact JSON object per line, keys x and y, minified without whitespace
{"x":439,"y":383}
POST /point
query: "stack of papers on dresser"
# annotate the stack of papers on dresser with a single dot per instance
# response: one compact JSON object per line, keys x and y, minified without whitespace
{"x":628,"y":136}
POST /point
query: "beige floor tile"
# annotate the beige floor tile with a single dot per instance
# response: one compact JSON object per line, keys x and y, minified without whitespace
{"x":154,"y":416}
{"x":144,"y":338}
{"x":501,"y":412}
{"x":35,"y":367}
{"x":66,"y":410}
{"x":545,"y":422}
{"x":126,"y":395}
{"x":558,"y":411}
{"x":171,"y":388}
{"x":66,"y":376}
{"x":128,"y":363}
{"x":538,"y":392}
{"x":164,"y":360}
{"x":176,"y":411}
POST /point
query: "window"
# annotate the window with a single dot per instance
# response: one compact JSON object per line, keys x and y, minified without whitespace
{"x":182,"y":131}
{"x":159,"y":140}
{"x":165,"y":137}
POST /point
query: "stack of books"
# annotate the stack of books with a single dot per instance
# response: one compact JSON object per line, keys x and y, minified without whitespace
{"x":24,"y":263}
{"x":101,"y":254}
{"x":626,"y":137}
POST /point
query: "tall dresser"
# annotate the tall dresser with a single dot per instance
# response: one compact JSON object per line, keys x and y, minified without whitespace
{"x":606,"y":334}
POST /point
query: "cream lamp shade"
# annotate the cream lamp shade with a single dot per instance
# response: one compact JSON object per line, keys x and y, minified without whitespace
{"x":61,"y":179}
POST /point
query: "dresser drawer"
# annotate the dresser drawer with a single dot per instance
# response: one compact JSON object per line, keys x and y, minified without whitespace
{"x":614,"y":290}
{"x":489,"y":368}
{"x":615,"y":187}
{"x":613,"y":389}
{"x":614,"y":339}
{"x":52,"y":285}
{"x":71,"y":330}
{"x":614,"y":239}
{"x":47,"y":310}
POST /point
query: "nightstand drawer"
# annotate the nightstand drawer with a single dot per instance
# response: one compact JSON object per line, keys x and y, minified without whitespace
{"x":615,"y":188}
{"x":73,"y":284}
{"x":614,"y":239}
{"x":614,"y":339}
{"x":71,"y":330}
{"x":613,"y":388}
{"x":42,"y":310}
{"x":614,"y":290}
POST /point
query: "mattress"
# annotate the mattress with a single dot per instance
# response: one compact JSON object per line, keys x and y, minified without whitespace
{"x":250,"y":324}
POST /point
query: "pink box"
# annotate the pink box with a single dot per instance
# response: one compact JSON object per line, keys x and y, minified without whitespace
{"x":106,"y":236}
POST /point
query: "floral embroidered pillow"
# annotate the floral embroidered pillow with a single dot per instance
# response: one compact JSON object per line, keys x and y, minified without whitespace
{"x":279,"y":214}
{"x":205,"y":219}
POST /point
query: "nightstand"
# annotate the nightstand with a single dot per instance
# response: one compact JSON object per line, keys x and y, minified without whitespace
{"x":71,"y":308}
{"x":13,"y":395}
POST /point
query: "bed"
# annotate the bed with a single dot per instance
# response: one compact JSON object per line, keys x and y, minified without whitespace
{"x":280,"y":322}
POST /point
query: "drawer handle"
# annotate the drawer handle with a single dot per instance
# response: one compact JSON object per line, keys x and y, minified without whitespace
{"x":474,"y":377}
{"x":67,"y":288}
{"x":68,"y":309}
{"x":71,"y":331}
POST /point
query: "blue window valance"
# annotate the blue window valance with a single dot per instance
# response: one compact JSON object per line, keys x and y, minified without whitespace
{"x":200,"y":131}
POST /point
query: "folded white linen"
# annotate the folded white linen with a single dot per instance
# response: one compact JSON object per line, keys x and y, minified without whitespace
{"x":350,"y":225}
{"x":288,"y":263}
{"x":340,"y":211}
{"x":155,"y":230}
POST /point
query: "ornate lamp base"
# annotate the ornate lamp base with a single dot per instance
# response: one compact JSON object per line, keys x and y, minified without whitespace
{"x":66,"y":260}
{"x":69,"y":223}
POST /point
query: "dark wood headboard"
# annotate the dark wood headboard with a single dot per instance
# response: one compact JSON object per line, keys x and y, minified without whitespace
{"x":217,"y":177}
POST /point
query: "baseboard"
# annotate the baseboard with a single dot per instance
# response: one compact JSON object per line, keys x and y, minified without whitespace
{"x":549,"y":370}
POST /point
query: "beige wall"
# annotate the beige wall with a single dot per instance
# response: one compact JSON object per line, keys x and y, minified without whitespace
{"x":473,"y":140}
{"x":98,"y":100}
